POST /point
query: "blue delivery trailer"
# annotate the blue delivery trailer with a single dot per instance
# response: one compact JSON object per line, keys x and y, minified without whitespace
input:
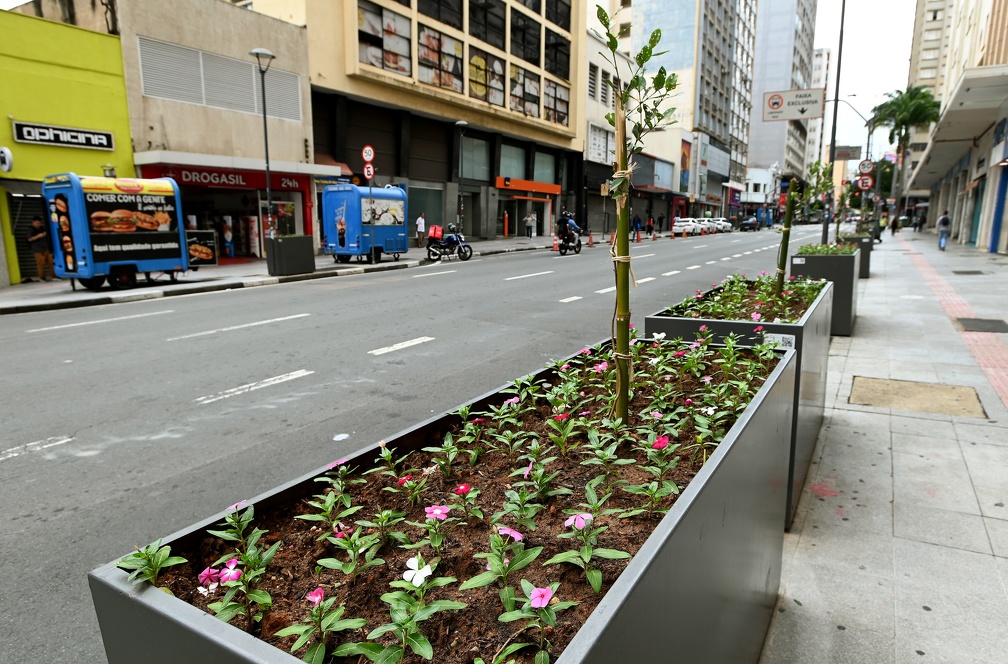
{"x":365,"y":222}
{"x":113,"y":228}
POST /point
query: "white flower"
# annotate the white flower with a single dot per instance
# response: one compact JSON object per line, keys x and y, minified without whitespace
{"x":709,"y":410}
{"x":658,"y":336}
{"x":414,"y":575}
{"x":655,"y":360}
{"x":206,"y":591}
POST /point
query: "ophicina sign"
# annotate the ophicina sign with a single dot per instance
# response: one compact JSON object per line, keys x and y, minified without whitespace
{"x":793,"y":104}
{"x":68,"y":137}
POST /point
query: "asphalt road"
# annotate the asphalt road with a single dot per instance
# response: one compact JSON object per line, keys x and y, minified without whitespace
{"x":127,"y":422}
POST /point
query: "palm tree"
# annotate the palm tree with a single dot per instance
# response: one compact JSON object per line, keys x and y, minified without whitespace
{"x":914,"y":107}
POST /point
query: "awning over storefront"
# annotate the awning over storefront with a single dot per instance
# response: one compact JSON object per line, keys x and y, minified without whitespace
{"x":237,"y":163}
{"x":970,"y":113}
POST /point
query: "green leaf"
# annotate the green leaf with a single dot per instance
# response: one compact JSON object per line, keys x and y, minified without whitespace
{"x":524,"y":558}
{"x":603,"y":17}
{"x":315,"y":654}
{"x":655,"y":38}
{"x":613,"y":43}
{"x":511,"y":616}
{"x":391,"y":655}
{"x":448,"y":605}
{"x":510,"y":650}
{"x":419,"y":644}
{"x":260,"y":597}
{"x":595,"y":579}
{"x":542,"y":657}
{"x":295,"y":629}
{"x":610,"y":554}
{"x":229,"y":611}
{"x":340,"y":625}
{"x":478,"y":581}
{"x":566,"y":557}
{"x":174,"y":560}
{"x":369,"y":650}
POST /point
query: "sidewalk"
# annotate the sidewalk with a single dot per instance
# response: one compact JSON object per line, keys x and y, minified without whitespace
{"x":899,"y":551}
{"x":42,"y":296}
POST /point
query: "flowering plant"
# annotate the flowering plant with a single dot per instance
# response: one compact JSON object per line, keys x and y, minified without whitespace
{"x":584,"y":529}
{"x":539,"y":607}
{"x":146,"y":563}
{"x":826,"y":249}
{"x":743,"y":298}
{"x":323,"y":620}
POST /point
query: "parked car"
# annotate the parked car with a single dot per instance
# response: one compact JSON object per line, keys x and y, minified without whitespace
{"x":749,"y":224}
{"x":685,"y":224}
{"x":723,"y":225}
{"x":706,"y":225}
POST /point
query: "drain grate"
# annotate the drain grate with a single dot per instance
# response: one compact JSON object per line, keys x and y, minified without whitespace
{"x":920,"y":397}
{"x":968,"y":272}
{"x":995,"y":325}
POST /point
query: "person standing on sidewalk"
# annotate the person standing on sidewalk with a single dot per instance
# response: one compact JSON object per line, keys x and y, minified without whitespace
{"x":38,"y":240}
{"x":420,"y":228}
{"x":944,"y":228}
{"x":529,"y":223}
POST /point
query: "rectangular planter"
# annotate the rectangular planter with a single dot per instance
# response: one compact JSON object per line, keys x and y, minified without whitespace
{"x":703,"y":586}
{"x":290,"y":254}
{"x":865,"y":242}
{"x":842,"y":270}
{"x":810,"y":338}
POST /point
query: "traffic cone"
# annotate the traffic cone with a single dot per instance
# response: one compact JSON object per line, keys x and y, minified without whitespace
{"x":684,"y":233}
{"x":638,"y":236}
{"x":654,"y":237}
{"x":591,"y":240}
{"x":612,"y":238}
{"x":556,"y":245}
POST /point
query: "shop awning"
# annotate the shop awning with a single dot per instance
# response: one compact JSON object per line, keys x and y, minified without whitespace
{"x":238,"y":163}
{"x":327,"y":160}
{"x":651,"y":188}
{"x":970,"y":113}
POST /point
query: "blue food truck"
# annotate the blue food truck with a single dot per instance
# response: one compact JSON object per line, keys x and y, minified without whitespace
{"x":365,"y":222}
{"x":113,"y":228}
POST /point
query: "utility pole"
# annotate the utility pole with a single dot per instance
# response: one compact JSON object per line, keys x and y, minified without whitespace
{"x":832,"y":148}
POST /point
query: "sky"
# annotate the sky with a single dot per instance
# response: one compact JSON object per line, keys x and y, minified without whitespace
{"x":876,"y":60}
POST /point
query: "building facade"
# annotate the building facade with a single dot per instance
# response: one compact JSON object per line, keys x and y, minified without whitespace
{"x":50,"y":76}
{"x":814,"y":143}
{"x":965,"y":164}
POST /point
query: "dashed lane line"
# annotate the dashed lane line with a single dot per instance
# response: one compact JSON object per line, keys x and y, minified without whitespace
{"x":693,"y":267}
{"x":250,"y":387}
{"x":526,"y":276}
{"x":52,"y":441}
{"x":669,"y":274}
{"x":573,"y":298}
{"x":400,"y":345}
{"x":237,"y":327}
{"x":102,"y":320}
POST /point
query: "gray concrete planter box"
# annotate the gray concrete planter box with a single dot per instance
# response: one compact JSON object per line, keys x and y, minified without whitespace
{"x":810,"y":338}
{"x":865,"y":242}
{"x":842,"y":270}
{"x":703,"y":585}
{"x":290,"y":254}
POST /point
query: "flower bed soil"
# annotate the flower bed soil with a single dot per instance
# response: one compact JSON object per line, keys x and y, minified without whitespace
{"x":457,"y":636}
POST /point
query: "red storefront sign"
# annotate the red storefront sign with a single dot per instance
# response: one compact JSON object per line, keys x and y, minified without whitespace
{"x":225,"y":178}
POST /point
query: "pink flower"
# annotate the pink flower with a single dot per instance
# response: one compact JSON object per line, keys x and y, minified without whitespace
{"x":561,"y":417}
{"x":462,"y":489}
{"x":336,"y":464}
{"x":404,"y":479}
{"x":340,"y":531}
{"x":235,"y":506}
{"x":315,"y":596}
{"x":759,"y":303}
{"x":512,"y":400}
{"x":679,"y":353}
{"x":585,"y":413}
{"x":566,"y":365}
{"x":655,"y":414}
{"x":579,"y":521}
{"x":706,"y":379}
{"x":585,"y":351}
{"x":478,"y":420}
{"x":660,"y":443}
{"x":510,"y":532}
{"x":756,"y":315}
{"x":703,"y":328}
{"x":758,"y":328}
{"x":541,"y":597}
{"x":231,"y":573}
{"x":600,"y":367}
{"x":527,"y":470}
{"x":439,"y":512}
{"x":208,"y":576}
{"x":694,"y":346}
{"x":631,"y":326}
{"x":688,"y":402}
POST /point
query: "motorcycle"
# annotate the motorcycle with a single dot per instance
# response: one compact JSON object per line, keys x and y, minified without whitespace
{"x":452,"y":244}
{"x":570,"y":242}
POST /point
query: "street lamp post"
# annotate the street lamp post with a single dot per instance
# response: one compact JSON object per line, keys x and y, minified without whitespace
{"x":832,"y":149}
{"x":870,"y":124}
{"x":264,"y":58}
{"x":461,"y":124}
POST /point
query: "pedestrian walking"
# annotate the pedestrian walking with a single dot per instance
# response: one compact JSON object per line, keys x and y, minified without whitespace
{"x":635,"y":227}
{"x":529,"y":224}
{"x":661,"y":222}
{"x":922,"y":222}
{"x":420,"y":228}
{"x":38,"y":240}
{"x":944,"y":229}
{"x":650,"y":226}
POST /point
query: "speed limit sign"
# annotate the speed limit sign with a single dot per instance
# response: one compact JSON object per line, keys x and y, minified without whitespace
{"x":367,"y":152}
{"x":866,"y":167}
{"x":865,"y":182}
{"x":369,"y":171}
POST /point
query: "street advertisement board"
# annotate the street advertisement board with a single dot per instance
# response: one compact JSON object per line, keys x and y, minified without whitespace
{"x":202,"y":247}
{"x":793,"y":104}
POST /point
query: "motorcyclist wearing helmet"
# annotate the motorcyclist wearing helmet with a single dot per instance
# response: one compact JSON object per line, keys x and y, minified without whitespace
{"x":569,"y":227}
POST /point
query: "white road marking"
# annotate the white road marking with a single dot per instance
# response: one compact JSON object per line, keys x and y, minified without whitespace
{"x":736,"y":240}
{"x":669,"y":274}
{"x":237,"y":327}
{"x":645,"y":280}
{"x":103,"y":320}
{"x":746,"y":252}
{"x":700,"y":246}
{"x":693,"y":267}
{"x":757,"y":250}
{"x":736,"y":255}
{"x":726,"y":258}
{"x":400,"y":345}
{"x":606,"y":290}
{"x":525,"y":276}
{"x":643,"y":255}
{"x":710,"y":262}
{"x":249,"y":387}
{"x":431,"y":274}
{"x":573,"y":298}
{"x":52,"y":441}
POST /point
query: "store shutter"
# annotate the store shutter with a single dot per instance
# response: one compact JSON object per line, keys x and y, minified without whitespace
{"x":22,"y":209}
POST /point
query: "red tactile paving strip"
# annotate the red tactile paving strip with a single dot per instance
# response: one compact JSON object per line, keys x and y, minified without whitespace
{"x":986,"y":348}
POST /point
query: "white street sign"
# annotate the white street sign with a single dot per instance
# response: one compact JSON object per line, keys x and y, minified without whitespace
{"x":866,"y":167}
{"x":368,"y":153}
{"x":368,"y":171}
{"x":793,"y":104}
{"x":865,"y":182}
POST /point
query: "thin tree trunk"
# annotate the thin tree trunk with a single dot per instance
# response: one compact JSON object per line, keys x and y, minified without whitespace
{"x":622,"y":317}
{"x":785,"y":236}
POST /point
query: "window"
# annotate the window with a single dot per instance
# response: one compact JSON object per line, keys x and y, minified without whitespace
{"x":439,"y":59}
{"x":486,"y":21}
{"x":383,"y":38}
{"x":475,"y":159}
{"x":929,"y":54}
{"x":557,"y":55}
{"x":928,"y":72}
{"x":605,"y":89}
{"x":624,"y":3}
{"x":624,"y":30}
{"x":512,"y":161}
{"x":545,"y":167}
{"x":593,"y":81}
{"x":446,"y":11}
{"x":559,"y":12}
{"x":534,"y":5}
{"x":556,"y":102}
{"x":524,"y":91}
{"x":937,"y":14}
{"x":524,"y":38}
{"x":486,"y":77}
{"x":931,"y":35}
{"x":178,"y":73}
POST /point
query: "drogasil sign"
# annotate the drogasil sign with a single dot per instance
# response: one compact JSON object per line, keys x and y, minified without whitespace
{"x":214,"y":178}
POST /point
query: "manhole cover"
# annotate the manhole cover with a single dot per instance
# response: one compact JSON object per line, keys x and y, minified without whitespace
{"x":920,"y":397}
{"x":967,"y":272}
{"x":995,"y":325}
